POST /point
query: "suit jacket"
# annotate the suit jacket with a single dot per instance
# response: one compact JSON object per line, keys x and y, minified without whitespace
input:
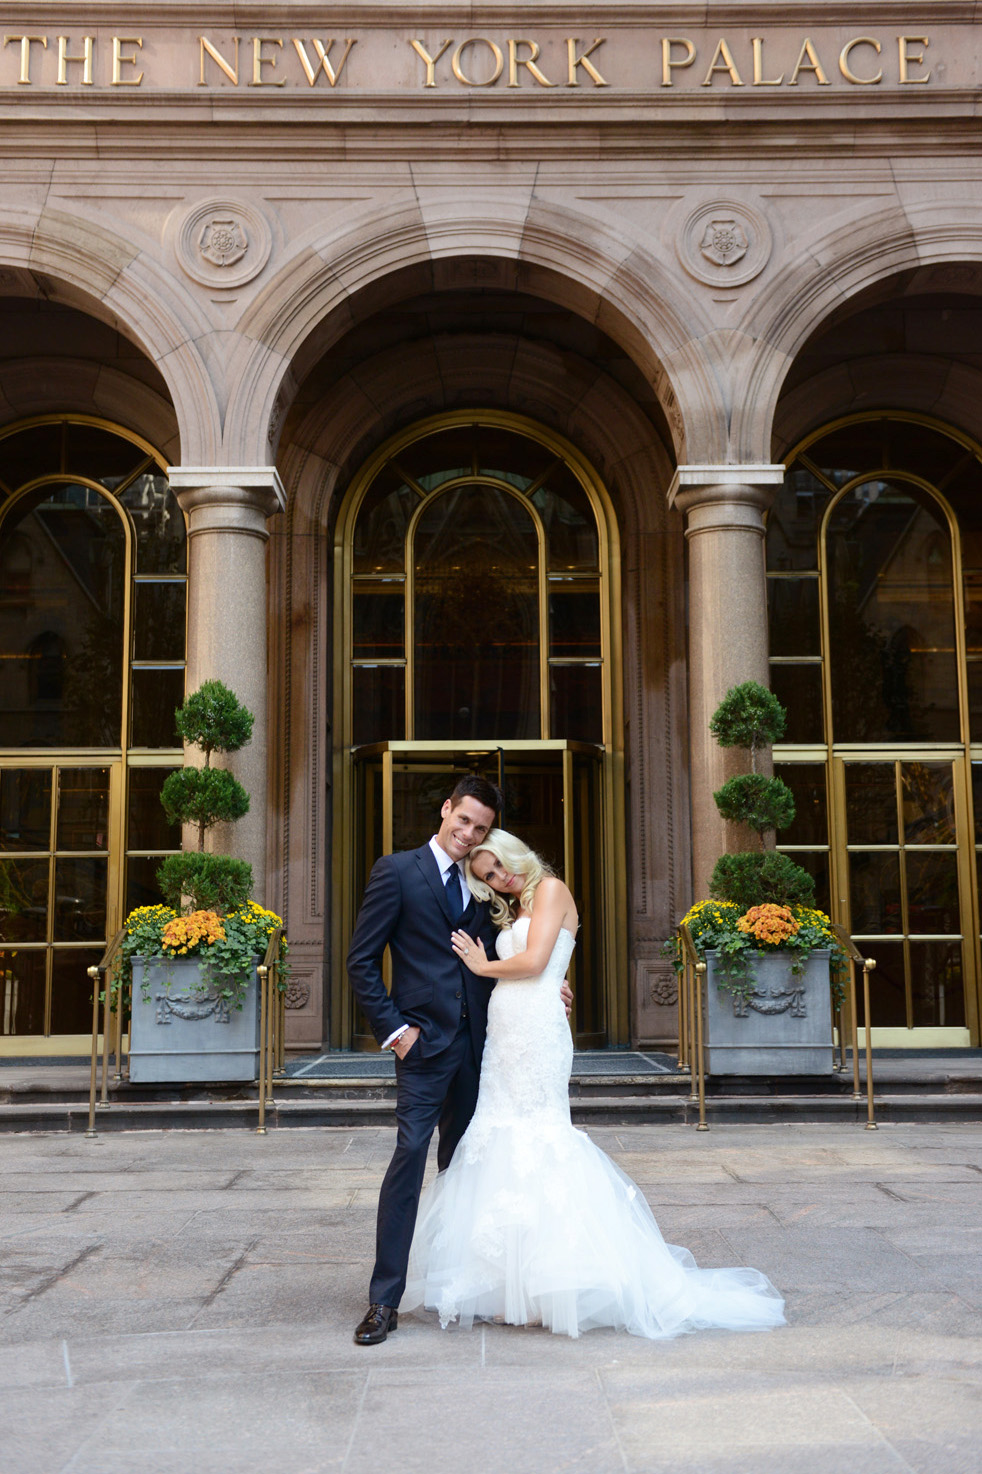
{"x":405,"y":907}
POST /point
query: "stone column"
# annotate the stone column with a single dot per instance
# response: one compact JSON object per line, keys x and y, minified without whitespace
{"x":724,"y":508}
{"x":227,"y":508}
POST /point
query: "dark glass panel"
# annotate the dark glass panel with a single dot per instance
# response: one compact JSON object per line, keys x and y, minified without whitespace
{"x":22,"y":992}
{"x":576,"y":703}
{"x":937,"y":990}
{"x":71,"y":990}
{"x":100,"y":455}
{"x":379,"y":542}
{"x":25,"y":809}
{"x":570,"y":525}
{"x":83,"y":809}
{"x":851,"y":450}
{"x":158,"y":621}
{"x":794,"y":520}
{"x":977,"y":799}
{"x":23,"y":900}
{"x":379,"y":622}
{"x":141,"y":883}
{"x":80,"y":900}
{"x":932,"y":891}
{"x":30,"y":453}
{"x":444,"y":456}
{"x":975,"y":697}
{"x":891,"y":617}
{"x":61,"y":643}
{"x":378,"y":703}
{"x":792,"y":616}
{"x":887,"y":986}
{"x":927,"y":793}
{"x":816,"y":862}
{"x":807,"y":784}
{"x":875,"y":885}
{"x":871,"y":803}
{"x":148,"y":828}
{"x":512,"y":457}
{"x":476,"y":617}
{"x":158,"y":523}
{"x":799,"y":689}
{"x":574,"y":622}
{"x":920,"y":451}
{"x":156,"y":696}
{"x":966,"y":497}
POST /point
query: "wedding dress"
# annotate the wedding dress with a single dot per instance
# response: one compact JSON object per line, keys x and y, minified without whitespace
{"x":533,"y":1223}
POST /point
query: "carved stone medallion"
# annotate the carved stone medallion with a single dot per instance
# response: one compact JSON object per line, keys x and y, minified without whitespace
{"x":724,"y":244}
{"x":297,"y":994}
{"x":223,"y":243}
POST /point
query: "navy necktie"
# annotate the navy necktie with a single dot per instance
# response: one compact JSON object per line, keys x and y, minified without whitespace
{"x":452,"y":885}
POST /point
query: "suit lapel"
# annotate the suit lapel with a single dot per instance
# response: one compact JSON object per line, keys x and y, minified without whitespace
{"x":426,"y":860}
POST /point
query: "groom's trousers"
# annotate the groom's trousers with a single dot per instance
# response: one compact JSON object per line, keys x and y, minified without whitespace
{"x":429,"y":1092}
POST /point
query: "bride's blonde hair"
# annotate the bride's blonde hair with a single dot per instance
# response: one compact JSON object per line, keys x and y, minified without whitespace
{"x":516,"y":857}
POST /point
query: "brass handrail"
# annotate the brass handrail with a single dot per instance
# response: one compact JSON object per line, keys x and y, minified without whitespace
{"x":97,"y":971}
{"x":270,"y":1023}
{"x":694,"y":970}
{"x":867,"y":964}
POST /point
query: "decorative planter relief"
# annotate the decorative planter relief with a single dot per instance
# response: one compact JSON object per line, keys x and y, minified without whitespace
{"x":181,"y":1034}
{"x":784,"y":1027}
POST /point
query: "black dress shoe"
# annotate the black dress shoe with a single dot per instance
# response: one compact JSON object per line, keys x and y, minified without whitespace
{"x":378,"y":1322}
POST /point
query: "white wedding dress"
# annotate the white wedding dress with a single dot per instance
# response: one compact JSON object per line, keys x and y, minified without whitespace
{"x":533,"y":1223}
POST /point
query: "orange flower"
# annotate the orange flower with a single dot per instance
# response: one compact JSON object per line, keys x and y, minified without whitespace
{"x":770,"y":924}
{"x":184,"y":933}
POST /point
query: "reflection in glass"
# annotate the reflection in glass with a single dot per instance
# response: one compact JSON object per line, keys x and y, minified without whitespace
{"x":148,"y":828}
{"x":158,"y":523}
{"x":378,"y":545}
{"x":156,"y":695}
{"x":378,"y":703}
{"x":25,"y":808}
{"x":378,"y":622}
{"x":61,"y":645}
{"x":574,"y":622}
{"x":794,"y":519}
{"x":22,"y":982}
{"x":937,"y":992}
{"x":71,"y":990}
{"x":476,"y":617}
{"x":83,"y":809}
{"x":80,"y":900}
{"x":792,"y":616}
{"x":105,"y":457}
{"x":23,"y":900}
{"x":871,"y":803}
{"x":799,"y":689}
{"x":29,"y":454}
{"x":816,"y":862}
{"x":891,"y":617}
{"x":570,"y":526}
{"x":141,"y":882}
{"x":928,"y":803}
{"x":887,"y":986}
{"x":932,"y":891}
{"x":576,"y":702}
{"x":875,"y":889}
{"x":158,"y":621}
{"x":807,"y":784}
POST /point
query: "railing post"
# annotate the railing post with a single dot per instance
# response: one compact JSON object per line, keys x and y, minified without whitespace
{"x":868,"y":965}
{"x":93,"y":973}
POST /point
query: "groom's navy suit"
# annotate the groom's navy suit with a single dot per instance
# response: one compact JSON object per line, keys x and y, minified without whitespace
{"x":406,"y":908}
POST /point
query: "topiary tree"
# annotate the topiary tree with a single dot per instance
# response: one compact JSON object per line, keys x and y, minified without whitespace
{"x":213,"y":719}
{"x":750,"y":716}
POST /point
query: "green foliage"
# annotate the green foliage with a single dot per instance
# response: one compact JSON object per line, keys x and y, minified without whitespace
{"x":748,"y":716}
{"x":762,"y":803}
{"x":213,"y":719}
{"x":229,"y":961}
{"x":753,"y":878}
{"x":203,"y":796}
{"x":713,"y":927}
{"x":210,"y":882}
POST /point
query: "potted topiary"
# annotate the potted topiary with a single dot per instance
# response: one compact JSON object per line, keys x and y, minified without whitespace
{"x":191,"y":964}
{"x":773,"y":962}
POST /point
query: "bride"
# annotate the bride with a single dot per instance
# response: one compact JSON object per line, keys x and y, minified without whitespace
{"x":531,"y":1223}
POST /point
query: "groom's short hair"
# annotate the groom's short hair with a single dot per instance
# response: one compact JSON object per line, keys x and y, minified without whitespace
{"x":477,"y":788}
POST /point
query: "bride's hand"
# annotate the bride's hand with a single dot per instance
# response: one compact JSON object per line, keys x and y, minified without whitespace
{"x":471,"y":953}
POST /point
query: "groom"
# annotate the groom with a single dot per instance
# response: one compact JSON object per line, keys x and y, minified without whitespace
{"x":434,"y":1020}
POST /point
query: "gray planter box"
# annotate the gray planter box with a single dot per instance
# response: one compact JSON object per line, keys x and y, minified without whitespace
{"x":181,"y":1034}
{"x":784,"y":1029}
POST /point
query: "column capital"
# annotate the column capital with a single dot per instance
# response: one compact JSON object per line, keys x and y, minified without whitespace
{"x":726,"y":479}
{"x":228,"y":498}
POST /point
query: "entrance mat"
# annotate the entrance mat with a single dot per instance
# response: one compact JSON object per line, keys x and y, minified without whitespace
{"x":343,"y":1065}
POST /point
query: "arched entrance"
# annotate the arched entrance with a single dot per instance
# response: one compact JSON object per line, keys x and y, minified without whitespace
{"x":477,"y":629}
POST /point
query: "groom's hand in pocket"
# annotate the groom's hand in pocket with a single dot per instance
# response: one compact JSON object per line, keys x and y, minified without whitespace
{"x":566,"y":994}
{"x":405,"y":1042}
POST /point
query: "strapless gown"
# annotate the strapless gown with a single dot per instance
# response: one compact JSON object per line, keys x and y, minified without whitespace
{"x":533,"y":1223}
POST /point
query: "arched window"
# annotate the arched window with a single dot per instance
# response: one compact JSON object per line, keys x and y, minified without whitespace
{"x":92,"y":655}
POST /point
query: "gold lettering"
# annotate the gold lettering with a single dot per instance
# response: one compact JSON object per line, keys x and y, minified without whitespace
{"x":499,"y":62}
{"x":667,"y":60}
{"x":323,"y":60}
{"x":515,"y":61}
{"x":259,"y":61}
{"x":24,"y":80}
{"x":428,"y":60}
{"x":722,"y":62}
{"x":812,"y":65}
{"x":231,"y":69}
{"x":909,"y":58}
{"x":759,"y":79}
{"x":85,"y":60}
{"x":583,"y":61}
{"x":844,"y":61}
{"x":120,"y":61}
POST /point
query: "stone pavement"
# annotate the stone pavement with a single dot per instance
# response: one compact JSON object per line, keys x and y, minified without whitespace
{"x":183,"y":1302}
